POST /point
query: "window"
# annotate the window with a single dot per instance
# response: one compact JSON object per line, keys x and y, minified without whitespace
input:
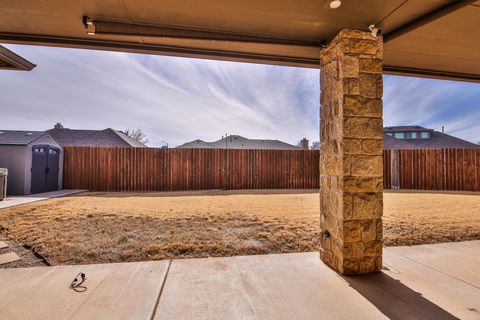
{"x":389,"y":134}
{"x":414,"y":135}
{"x":400,"y":135}
{"x":425,"y":135}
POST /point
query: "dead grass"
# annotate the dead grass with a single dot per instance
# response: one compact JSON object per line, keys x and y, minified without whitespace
{"x":113,"y":227}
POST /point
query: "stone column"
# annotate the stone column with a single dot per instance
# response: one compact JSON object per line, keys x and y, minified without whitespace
{"x":351,"y":146}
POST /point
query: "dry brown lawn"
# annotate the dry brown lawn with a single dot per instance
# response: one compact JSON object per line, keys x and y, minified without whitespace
{"x":113,"y":227}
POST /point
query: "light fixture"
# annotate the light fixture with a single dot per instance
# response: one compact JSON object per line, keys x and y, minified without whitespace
{"x":88,"y":24}
{"x":335,"y":4}
{"x":376,"y":31}
{"x":99,"y":27}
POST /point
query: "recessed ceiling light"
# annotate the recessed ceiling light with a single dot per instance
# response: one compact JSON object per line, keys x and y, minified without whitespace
{"x":334,"y":4}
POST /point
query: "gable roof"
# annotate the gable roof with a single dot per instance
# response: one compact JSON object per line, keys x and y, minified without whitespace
{"x":436,"y":140}
{"x":132,"y":142}
{"x":19,"y":137}
{"x":406,"y":129}
{"x":198,"y":144}
{"x":239,"y":142}
{"x":92,"y":138}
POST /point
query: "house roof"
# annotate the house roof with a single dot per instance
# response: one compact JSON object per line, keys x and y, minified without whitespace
{"x":132,"y":142}
{"x":198,"y":144}
{"x":239,"y":142}
{"x":436,"y":140}
{"x":406,"y":129}
{"x":18,"y":137}
{"x":93,"y":138}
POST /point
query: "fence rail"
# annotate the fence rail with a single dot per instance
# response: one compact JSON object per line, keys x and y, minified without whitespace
{"x":149,"y":169}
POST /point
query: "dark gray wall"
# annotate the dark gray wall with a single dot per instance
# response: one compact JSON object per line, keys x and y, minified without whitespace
{"x":13,"y":158}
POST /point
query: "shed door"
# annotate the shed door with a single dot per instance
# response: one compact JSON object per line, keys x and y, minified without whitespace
{"x":45,"y":167}
{"x":39,"y":169}
{"x":52,"y":168}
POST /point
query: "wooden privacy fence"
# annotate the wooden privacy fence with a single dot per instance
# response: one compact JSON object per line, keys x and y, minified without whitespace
{"x":432,"y":169}
{"x":149,"y":169}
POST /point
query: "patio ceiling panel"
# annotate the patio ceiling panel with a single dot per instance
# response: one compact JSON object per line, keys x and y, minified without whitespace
{"x":445,"y":48}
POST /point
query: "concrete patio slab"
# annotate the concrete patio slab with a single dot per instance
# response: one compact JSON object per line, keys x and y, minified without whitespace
{"x":417,"y":282}
{"x":300,"y":286}
{"x":447,"y":258}
{"x":11,"y":201}
{"x":8,"y":257}
{"x":114,"y":291}
{"x":285,"y":286}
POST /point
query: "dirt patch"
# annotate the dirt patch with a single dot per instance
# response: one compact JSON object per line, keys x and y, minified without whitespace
{"x":27,"y":256}
{"x":114,"y":227}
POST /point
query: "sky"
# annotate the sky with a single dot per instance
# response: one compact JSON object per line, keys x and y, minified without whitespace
{"x":176,"y":100}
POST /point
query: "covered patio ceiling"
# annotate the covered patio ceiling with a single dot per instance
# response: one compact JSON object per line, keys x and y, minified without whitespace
{"x":429,"y":38}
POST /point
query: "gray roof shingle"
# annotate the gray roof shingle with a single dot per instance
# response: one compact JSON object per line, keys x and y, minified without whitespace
{"x":18,"y":137}
{"x":93,"y":138}
{"x":436,"y":140}
{"x":239,"y":142}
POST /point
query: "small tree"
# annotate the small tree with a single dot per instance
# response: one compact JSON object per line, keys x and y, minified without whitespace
{"x":315,"y":145}
{"x":137,"y":134}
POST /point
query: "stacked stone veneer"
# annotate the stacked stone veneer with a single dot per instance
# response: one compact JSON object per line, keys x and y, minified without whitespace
{"x":351,"y":163}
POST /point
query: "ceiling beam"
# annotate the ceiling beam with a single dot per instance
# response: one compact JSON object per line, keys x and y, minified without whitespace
{"x":423,"y":73}
{"x":426,"y":19}
{"x":9,"y":60}
{"x":105,"y":27}
{"x":179,"y":51}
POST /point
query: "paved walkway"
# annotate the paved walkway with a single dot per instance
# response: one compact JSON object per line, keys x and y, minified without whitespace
{"x":422,"y":282}
{"x":11,"y":201}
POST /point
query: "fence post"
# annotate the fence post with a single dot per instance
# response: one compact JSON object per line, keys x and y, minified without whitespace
{"x":395,"y":169}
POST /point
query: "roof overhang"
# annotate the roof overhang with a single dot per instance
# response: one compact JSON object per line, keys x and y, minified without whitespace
{"x":428,"y":38}
{"x":11,"y":61}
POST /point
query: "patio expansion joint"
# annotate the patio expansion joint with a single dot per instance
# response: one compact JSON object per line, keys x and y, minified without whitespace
{"x":430,"y":267}
{"x":154,"y":312}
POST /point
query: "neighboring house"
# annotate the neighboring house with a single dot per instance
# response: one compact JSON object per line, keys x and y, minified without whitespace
{"x":34,"y":161}
{"x":416,"y":137}
{"x":239,"y":142}
{"x":92,"y":138}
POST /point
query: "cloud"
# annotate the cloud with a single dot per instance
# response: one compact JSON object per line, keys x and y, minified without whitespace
{"x":433,"y":104}
{"x":171,"y":99}
{"x":179,"y":99}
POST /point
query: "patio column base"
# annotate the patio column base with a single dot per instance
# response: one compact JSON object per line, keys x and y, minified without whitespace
{"x":351,"y":148}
